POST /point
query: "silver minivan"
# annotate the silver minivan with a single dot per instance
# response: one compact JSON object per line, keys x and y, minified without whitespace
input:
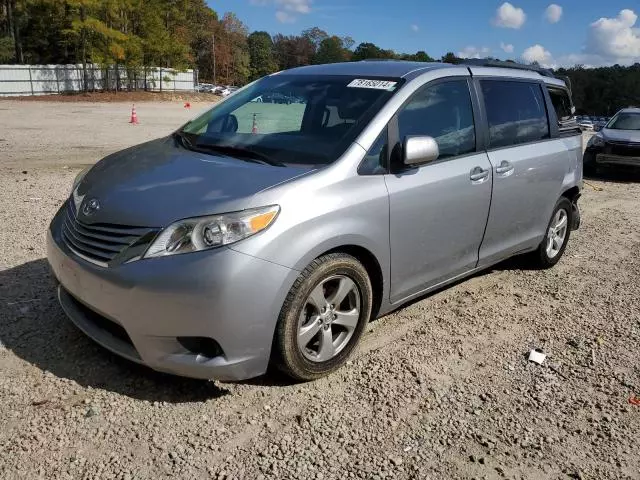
{"x":272,"y":228}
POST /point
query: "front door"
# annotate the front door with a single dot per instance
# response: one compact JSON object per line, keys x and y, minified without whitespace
{"x":438,"y":211}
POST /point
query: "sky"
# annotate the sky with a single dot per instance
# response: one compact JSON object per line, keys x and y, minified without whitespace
{"x":553,"y":33}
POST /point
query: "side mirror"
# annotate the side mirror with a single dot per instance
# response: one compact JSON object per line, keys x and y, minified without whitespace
{"x":225,"y":124}
{"x":230,"y":124}
{"x":419,"y":150}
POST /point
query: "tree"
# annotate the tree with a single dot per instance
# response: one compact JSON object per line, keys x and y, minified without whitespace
{"x":450,"y":57}
{"x":348,"y":42}
{"x":14,"y":17}
{"x":331,"y":50}
{"x":94,"y":40}
{"x":420,"y":56}
{"x":261,"y":58}
{"x":202,"y":21}
{"x":315,"y":35}
{"x":369,"y":51}
{"x":293,"y":51}
{"x":235,"y":61}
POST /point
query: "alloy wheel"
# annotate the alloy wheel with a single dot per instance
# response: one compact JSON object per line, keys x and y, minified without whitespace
{"x":329,"y":318}
{"x":557,"y":233}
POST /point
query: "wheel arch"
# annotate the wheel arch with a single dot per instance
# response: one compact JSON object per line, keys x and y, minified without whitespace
{"x":571,"y":193}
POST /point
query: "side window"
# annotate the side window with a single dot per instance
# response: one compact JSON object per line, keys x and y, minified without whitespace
{"x":561,"y":103}
{"x":567,"y":124}
{"x":444,"y":112}
{"x":516,"y":112}
{"x":375,"y":161}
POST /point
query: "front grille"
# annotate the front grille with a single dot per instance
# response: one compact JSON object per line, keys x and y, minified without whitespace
{"x":100,"y":243}
{"x":624,"y":149}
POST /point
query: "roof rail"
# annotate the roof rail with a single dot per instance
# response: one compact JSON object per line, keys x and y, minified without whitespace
{"x":485,"y":62}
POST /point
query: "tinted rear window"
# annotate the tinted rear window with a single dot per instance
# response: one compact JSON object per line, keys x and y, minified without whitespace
{"x":516,"y":112}
{"x":561,"y":103}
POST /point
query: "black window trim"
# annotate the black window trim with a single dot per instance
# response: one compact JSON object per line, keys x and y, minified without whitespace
{"x":555,"y":124}
{"x":553,"y":127}
{"x":394,"y":130}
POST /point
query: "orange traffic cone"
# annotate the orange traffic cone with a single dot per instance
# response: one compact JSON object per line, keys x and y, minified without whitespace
{"x":134,"y":116}
{"x":187,"y":105}
{"x":254,"y":128}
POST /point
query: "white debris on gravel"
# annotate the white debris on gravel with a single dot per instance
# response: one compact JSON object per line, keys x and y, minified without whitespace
{"x":439,"y":376}
{"x":537,"y":356}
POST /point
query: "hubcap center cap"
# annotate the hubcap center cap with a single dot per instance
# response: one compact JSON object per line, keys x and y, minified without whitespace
{"x":329,"y":315}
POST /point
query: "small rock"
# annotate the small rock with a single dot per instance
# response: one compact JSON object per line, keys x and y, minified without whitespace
{"x":92,"y":411}
{"x":395,"y":461}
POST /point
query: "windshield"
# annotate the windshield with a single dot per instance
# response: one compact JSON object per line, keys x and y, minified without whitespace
{"x":296,"y":119}
{"x":625,"y":121}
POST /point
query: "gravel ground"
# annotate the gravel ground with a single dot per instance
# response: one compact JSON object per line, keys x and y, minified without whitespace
{"x":440,"y":389}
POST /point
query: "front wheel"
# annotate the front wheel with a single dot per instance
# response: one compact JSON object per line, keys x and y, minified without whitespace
{"x":323,"y":317}
{"x":557,"y":236}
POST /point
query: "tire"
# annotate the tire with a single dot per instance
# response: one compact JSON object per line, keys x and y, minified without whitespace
{"x":297,"y":350}
{"x":546,"y":257}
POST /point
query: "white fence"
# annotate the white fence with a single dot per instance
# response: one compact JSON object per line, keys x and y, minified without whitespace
{"x":53,"y":79}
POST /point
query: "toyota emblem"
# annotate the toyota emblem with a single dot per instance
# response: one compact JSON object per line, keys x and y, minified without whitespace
{"x":90,"y":207}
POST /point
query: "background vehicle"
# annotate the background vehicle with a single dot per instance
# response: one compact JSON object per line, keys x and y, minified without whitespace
{"x":277,"y":97}
{"x":204,"y":88}
{"x":616,"y":144}
{"x":586,"y":124}
{"x":276,"y":237}
{"x":222,"y":90}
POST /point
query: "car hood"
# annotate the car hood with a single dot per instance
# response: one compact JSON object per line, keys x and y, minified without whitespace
{"x":159,"y":182}
{"x":632,"y":136}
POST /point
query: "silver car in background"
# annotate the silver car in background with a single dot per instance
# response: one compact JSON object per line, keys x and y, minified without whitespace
{"x":616,"y":144}
{"x":271,"y":233}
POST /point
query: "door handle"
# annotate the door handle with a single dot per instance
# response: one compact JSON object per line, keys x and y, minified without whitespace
{"x":504,"y":169}
{"x":478,"y":174}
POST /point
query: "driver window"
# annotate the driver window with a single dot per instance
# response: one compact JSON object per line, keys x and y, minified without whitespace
{"x":442,"y":111}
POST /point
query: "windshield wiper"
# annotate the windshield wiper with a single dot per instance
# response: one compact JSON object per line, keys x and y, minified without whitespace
{"x":241,"y":153}
{"x":184,"y":139}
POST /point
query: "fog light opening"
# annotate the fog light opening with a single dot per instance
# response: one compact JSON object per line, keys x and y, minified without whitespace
{"x":201,"y":346}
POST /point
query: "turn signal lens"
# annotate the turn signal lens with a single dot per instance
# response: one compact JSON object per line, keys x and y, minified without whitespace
{"x":262,"y":221}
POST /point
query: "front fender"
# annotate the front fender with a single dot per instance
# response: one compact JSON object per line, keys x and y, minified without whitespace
{"x":320,"y":217}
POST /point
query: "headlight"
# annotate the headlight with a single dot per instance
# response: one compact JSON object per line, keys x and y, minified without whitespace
{"x":204,"y":233}
{"x":596,"y":141}
{"x":79,"y":177}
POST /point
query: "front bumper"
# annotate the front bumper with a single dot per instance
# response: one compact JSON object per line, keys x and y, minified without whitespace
{"x":609,"y":159}
{"x":613,"y":154}
{"x":137,"y":310}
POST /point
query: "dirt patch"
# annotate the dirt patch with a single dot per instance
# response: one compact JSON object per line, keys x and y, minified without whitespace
{"x":111,"y":97}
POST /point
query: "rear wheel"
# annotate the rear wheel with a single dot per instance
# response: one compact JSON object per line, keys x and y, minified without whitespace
{"x":557,"y":236}
{"x":323,"y":317}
